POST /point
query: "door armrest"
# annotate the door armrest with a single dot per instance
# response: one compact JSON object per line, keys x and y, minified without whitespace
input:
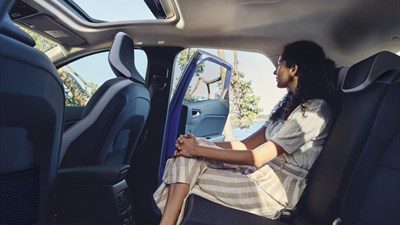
{"x":100,"y":175}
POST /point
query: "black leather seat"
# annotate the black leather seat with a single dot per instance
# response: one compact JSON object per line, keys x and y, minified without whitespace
{"x":114,"y":117}
{"x":365,"y":88}
{"x":364,"y":142}
{"x":31,"y":121}
{"x":373,"y":194}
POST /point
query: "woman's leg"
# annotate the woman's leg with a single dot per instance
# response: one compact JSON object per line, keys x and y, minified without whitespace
{"x":176,"y":195}
{"x":180,"y":175}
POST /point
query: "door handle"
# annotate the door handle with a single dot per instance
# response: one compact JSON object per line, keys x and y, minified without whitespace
{"x":196,"y":113}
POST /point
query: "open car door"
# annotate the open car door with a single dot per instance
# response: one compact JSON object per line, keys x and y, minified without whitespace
{"x":200,"y":104}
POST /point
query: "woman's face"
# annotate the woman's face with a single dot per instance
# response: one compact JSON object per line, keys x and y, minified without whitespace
{"x":286,"y":76}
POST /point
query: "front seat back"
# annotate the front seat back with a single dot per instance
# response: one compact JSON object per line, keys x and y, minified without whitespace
{"x":114,"y":117}
{"x":31,"y":120}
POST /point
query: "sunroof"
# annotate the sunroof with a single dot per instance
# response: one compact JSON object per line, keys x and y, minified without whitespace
{"x":116,"y":10}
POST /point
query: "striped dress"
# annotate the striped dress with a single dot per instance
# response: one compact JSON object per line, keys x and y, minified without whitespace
{"x":266,"y":190}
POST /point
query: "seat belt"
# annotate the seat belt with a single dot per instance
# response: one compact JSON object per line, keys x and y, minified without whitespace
{"x":157,"y":84}
{"x":158,"y":81}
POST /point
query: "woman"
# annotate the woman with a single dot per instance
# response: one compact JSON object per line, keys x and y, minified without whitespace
{"x":271,"y":175}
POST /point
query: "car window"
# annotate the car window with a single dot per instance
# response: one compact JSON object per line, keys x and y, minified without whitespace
{"x":253,"y":93}
{"x":82,"y":77}
{"x":206,"y":83}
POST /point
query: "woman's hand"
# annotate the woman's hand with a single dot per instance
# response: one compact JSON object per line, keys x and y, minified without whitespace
{"x":186,"y":146}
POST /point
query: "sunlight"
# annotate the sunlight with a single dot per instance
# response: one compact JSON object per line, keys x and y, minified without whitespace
{"x":117,"y":10}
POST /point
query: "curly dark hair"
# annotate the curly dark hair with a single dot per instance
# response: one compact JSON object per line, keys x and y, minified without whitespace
{"x":316,"y":78}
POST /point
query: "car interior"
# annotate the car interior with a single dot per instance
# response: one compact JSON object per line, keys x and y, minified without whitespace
{"x":30,"y":142}
{"x":100,"y":162}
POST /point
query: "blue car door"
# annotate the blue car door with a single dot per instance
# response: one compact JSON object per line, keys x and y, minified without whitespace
{"x":200,"y":104}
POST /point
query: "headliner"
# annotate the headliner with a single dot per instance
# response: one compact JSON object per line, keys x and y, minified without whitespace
{"x":348,"y":30}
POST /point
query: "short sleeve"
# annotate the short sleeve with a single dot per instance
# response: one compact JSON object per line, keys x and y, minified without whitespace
{"x":302,"y":128}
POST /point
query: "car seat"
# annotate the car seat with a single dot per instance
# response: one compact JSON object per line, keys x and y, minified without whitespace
{"x":97,"y":151}
{"x":373,"y":194}
{"x":114,"y":117}
{"x":31,"y":122}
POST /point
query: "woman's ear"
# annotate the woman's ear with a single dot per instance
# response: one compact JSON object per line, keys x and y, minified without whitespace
{"x":293,"y":70}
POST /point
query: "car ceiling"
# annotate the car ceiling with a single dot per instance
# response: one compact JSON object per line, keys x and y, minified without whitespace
{"x":349,"y":30}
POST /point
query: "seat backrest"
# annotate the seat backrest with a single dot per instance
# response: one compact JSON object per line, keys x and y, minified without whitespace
{"x":114,"y":117}
{"x":31,"y":121}
{"x":365,"y":88}
{"x":373,"y":194}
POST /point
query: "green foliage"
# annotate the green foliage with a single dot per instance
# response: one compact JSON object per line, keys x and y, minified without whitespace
{"x":188,"y":97}
{"x":243,"y":102}
{"x":43,"y":44}
{"x":69,"y":98}
{"x":184,"y":58}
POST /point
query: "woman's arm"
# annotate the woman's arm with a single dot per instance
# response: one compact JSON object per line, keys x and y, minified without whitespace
{"x":188,"y":147}
{"x":249,"y":143}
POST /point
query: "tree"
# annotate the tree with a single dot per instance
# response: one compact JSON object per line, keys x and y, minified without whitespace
{"x":243,"y":102}
{"x":75,"y":93}
{"x":183,"y":61}
{"x":228,"y":133}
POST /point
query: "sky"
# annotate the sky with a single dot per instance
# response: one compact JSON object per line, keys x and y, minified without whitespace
{"x":120,"y":9}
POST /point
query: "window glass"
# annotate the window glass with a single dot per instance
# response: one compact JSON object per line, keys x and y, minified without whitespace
{"x":116,"y":10}
{"x":84,"y":76}
{"x":253,"y":93}
{"x":206,"y":83}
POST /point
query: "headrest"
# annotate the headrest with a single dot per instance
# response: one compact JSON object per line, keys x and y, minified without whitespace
{"x":9,"y":29}
{"x":122,"y":59}
{"x":363,"y":73}
{"x":342,"y":72}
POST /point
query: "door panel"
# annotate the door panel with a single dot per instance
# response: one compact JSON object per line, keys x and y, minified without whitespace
{"x":206,"y":102}
{"x":206,"y":118}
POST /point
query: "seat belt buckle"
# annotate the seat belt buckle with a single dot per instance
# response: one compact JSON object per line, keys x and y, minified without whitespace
{"x":286,"y":215}
{"x":337,"y":221}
